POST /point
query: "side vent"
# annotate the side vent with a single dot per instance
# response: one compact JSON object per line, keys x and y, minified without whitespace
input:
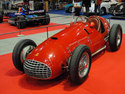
{"x":54,"y":38}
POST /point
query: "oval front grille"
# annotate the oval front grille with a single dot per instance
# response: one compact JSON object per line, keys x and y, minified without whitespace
{"x":37,"y":69}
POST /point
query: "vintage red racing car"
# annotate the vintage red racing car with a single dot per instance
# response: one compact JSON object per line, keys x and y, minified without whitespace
{"x":69,"y":50}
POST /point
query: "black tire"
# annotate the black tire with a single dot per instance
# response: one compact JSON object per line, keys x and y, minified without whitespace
{"x":45,"y":21}
{"x":103,"y":11}
{"x":17,"y":52}
{"x":75,"y":61}
{"x":13,"y":19}
{"x":115,"y":37}
{"x":70,"y":9}
{"x":1,"y":17}
{"x":42,"y":21}
{"x":20,"y":22}
{"x":21,"y":25}
{"x":113,"y":12}
{"x":36,"y":23}
{"x":31,"y":23}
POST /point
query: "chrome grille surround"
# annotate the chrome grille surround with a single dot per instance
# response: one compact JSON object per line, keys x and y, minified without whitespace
{"x":37,"y":69}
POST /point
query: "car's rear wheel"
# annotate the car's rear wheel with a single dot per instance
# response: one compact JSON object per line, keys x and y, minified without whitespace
{"x":21,"y":25}
{"x":20,"y":52}
{"x":33,"y":23}
{"x":21,"y":22}
{"x":80,"y":64}
{"x":103,"y":11}
{"x":45,"y":21}
{"x":115,"y":37}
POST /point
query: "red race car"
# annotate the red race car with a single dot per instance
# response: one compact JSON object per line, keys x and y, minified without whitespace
{"x":69,"y":50}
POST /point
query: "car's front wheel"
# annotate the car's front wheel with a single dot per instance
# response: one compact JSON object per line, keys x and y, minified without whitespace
{"x":80,"y":64}
{"x":1,"y":17}
{"x":115,"y":37}
{"x":20,"y":52}
{"x":103,"y":11}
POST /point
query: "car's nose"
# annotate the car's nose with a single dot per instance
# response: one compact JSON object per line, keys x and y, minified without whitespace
{"x":45,"y":61}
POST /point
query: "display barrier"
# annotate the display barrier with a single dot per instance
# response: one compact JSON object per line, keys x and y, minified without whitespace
{"x":20,"y":31}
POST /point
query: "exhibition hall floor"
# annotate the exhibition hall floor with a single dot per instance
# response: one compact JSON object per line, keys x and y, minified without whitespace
{"x":107,"y":73}
{"x":107,"y":76}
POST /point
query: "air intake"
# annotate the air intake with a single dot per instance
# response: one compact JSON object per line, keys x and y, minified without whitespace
{"x":37,"y":69}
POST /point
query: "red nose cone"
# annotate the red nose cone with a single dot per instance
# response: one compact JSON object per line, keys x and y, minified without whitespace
{"x":48,"y":58}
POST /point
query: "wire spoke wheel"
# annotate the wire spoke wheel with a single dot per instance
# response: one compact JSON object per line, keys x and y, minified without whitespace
{"x":118,"y":38}
{"x":21,"y":51}
{"x":80,"y":64}
{"x":83,"y":65}
{"x":25,"y":52}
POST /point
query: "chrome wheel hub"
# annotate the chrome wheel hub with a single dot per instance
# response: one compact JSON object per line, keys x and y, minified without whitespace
{"x":83,"y":65}
{"x":25,"y":52}
{"x":118,"y":38}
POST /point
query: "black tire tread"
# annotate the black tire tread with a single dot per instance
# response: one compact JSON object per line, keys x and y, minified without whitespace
{"x":45,"y":21}
{"x":17,"y":50}
{"x":112,"y":37}
{"x":1,"y":17}
{"x":104,"y":9}
{"x":69,"y":9}
{"x":73,"y":66}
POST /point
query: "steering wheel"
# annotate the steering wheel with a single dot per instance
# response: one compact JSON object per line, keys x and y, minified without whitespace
{"x":83,"y":19}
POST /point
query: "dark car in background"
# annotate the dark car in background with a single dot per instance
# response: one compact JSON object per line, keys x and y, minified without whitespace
{"x":117,"y":9}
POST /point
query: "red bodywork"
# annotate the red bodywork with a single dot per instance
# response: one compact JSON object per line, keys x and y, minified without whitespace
{"x":56,"y":50}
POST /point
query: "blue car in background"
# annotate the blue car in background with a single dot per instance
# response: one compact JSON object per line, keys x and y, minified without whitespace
{"x":23,"y":17}
{"x":69,"y":7}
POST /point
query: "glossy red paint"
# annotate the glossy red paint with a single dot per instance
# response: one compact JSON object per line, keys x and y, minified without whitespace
{"x":56,"y":50}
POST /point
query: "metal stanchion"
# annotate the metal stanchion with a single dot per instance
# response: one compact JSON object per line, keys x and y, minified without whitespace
{"x":47,"y":32}
{"x":109,"y":20}
{"x":73,"y":14}
{"x":20,"y":35}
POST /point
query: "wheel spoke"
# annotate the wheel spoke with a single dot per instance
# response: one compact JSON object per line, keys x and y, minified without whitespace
{"x":83,"y":64}
{"x":25,"y":52}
